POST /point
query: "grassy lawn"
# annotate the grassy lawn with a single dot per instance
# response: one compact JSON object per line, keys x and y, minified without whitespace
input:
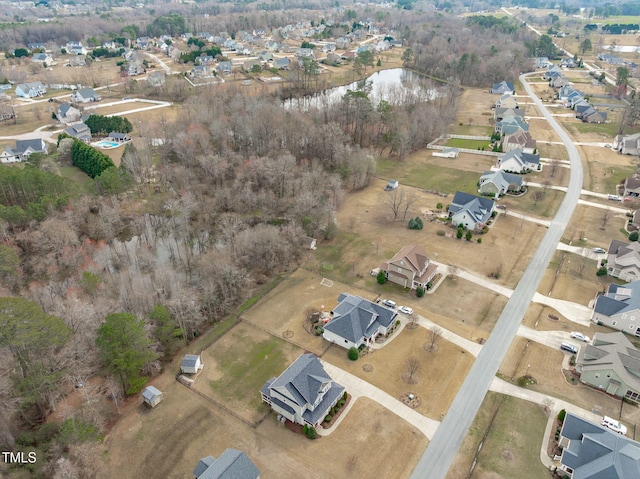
{"x":471,"y":130}
{"x":609,"y":129}
{"x":471,"y":144}
{"x":448,"y":180}
{"x":78,"y":177}
{"x":238,"y":365}
{"x":512,"y":447}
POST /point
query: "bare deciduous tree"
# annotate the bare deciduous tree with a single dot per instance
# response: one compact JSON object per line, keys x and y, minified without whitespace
{"x":434,"y":333}
{"x":605,"y":219}
{"x":536,"y":196}
{"x":395,"y":201}
{"x":413,"y":365}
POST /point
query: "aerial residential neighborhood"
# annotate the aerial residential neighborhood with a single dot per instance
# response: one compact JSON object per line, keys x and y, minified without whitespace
{"x":392,"y":240}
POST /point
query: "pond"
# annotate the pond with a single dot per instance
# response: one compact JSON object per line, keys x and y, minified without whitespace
{"x":396,"y":85}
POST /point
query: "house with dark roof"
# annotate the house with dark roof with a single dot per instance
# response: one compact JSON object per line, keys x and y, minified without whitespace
{"x":623,"y":260}
{"x":497,"y":183}
{"x":232,"y":464}
{"x":591,"y":451}
{"x":470,"y":211}
{"x":23,"y":149}
{"x":304,"y":393}
{"x":619,"y":308}
{"x":282,"y":63}
{"x":611,"y":364}
{"x":502,"y":88}
{"x":79,"y":131}
{"x":632,"y":185}
{"x":517,"y":161}
{"x":410,"y":267}
{"x":356,"y":321}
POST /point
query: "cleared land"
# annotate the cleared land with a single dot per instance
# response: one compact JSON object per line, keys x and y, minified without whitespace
{"x":238,"y":366}
{"x":598,"y":225}
{"x":571,"y":277}
{"x":438,"y":377}
{"x":512,"y":446}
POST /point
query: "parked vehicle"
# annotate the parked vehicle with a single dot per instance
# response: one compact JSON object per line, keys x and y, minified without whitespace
{"x":599,"y":250}
{"x":614,"y":197}
{"x":405,"y":310}
{"x":614,"y":425}
{"x":568,"y":347}
{"x":389,"y":303}
{"x":580,"y":336}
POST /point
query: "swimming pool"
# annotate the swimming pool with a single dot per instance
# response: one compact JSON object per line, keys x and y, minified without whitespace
{"x":104,"y":144}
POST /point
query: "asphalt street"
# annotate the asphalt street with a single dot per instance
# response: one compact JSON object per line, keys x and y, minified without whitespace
{"x":447,"y":440}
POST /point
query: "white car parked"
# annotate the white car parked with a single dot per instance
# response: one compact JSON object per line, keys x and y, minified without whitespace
{"x":580,"y":336}
{"x":389,"y":303}
{"x":405,"y":310}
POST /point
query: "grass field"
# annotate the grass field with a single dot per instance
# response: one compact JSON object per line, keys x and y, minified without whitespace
{"x":440,"y":178}
{"x":512,"y":446}
{"x":238,"y":366}
{"x":470,"y":144}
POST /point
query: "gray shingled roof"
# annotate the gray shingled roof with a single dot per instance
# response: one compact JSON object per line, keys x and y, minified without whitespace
{"x":36,"y":144}
{"x":303,"y":379}
{"x":612,"y":302}
{"x":478,"y":207}
{"x":232,"y":464}
{"x":501,"y":179}
{"x":595,"y":452}
{"x":150,"y":392}
{"x":612,"y":351}
{"x":190,"y":361}
{"x":355,"y":318}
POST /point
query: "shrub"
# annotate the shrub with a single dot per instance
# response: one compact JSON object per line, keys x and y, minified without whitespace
{"x":459,"y":233}
{"x":439,"y":206}
{"x":381,"y":277}
{"x":415,"y":223}
{"x":440,"y":232}
{"x":353,"y":354}
{"x":561,"y":415}
{"x":633,"y":236}
{"x":479,"y":240}
{"x":419,"y":291}
{"x":342,"y":401}
{"x":319,"y":330}
{"x":344,"y":396}
{"x":602,"y":271}
{"x":311,"y":433}
{"x":305,"y":429}
{"x":398,"y":322}
{"x":468,"y":236}
{"x":328,"y":418}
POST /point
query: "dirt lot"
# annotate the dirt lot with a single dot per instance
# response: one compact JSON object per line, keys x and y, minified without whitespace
{"x":507,"y":451}
{"x":439,"y":375}
{"x":196,"y":428}
{"x":233,"y":374}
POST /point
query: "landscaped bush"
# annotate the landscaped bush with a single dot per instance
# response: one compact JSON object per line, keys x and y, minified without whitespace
{"x":633,"y":236}
{"x":328,"y":418}
{"x":311,"y":433}
{"x":398,"y":322}
{"x":468,"y":236}
{"x":342,"y":401}
{"x":479,"y":240}
{"x":440,"y":232}
{"x":419,"y":291}
{"x":561,"y":415}
{"x":353,"y":354}
{"x":344,"y":396}
{"x":381,"y":277}
{"x":415,"y":223}
{"x":602,"y":271}
{"x":459,"y":233}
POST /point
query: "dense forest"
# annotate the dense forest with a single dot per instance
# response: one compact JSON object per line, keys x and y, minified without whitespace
{"x":180,"y":234}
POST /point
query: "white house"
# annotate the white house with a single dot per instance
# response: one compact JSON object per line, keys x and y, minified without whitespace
{"x":498,"y":183}
{"x":23,"y":149}
{"x":472,"y":212}
{"x":30,"y":90}
{"x":627,"y":144}
{"x":43,"y":58}
{"x":356,"y":321}
{"x":623,"y":260}
{"x":619,"y":308}
{"x":304,"y":393}
{"x":517,"y":161}
{"x":86,"y":95}
{"x":502,"y":88}
{"x":191,"y":364}
{"x":67,"y":113}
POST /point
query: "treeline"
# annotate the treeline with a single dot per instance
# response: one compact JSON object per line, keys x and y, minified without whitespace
{"x":99,"y":124}
{"x":87,"y":158}
{"x":29,"y":194}
{"x":172,"y":25}
{"x":474,"y":52}
{"x":620,"y":28}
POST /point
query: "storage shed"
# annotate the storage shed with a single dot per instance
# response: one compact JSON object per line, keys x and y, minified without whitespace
{"x":191,"y":364}
{"x":151,"y":396}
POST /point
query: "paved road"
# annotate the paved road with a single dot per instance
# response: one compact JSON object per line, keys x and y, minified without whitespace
{"x":444,"y":446}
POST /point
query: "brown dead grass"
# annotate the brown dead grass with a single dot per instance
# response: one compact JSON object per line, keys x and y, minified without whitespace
{"x":570,"y":277}
{"x":440,"y":373}
{"x":587,"y":222}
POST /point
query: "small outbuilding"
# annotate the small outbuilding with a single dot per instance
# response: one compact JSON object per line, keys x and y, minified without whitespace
{"x":392,"y":185}
{"x":191,"y":364}
{"x":309,"y":243}
{"x":151,"y":396}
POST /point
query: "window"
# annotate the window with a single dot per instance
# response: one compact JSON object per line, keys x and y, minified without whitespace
{"x":631,"y":326}
{"x":608,"y":375}
{"x":613,"y":323}
{"x":596,"y":376}
{"x":624,"y":315}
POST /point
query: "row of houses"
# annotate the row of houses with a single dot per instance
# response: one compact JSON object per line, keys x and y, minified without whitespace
{"x":572,"y":98}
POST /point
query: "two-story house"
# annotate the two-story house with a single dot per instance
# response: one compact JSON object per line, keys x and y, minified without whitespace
{"x":619,"y":308}
{"x":410,"y":268}
{"x":471,"y":211}
{"x":304,"y":393}
{"x":623,"y":260}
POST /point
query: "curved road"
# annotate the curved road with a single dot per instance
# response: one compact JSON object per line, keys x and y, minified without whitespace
{"x":444,"y":446}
